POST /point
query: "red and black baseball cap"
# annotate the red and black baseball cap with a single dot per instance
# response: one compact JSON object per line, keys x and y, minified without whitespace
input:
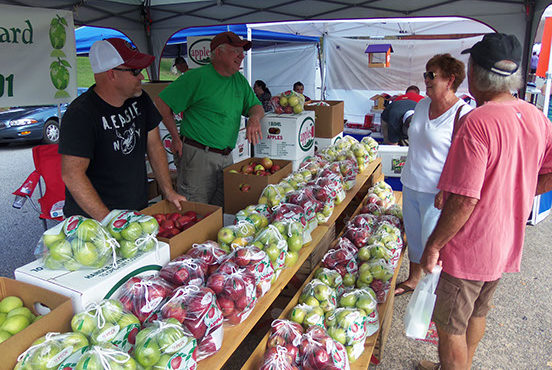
{"x":113,"y":52}
{"x":229,"y":38}
{"x":494,"y":48}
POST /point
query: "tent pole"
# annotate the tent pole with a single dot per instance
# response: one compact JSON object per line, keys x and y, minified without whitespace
{"x":529,"y":19}
{"x":548,"y":87}
{"x":323,"y":68}
{"x":249,"y":56}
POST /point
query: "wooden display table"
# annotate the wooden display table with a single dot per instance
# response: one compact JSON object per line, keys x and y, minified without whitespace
{"x":234,"y":335}
{"x":374,"y":344}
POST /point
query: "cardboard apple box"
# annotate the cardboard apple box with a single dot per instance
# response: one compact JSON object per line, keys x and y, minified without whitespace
{"x":328,"y":121}
{"x":88,"y":286}
{"x":36,"y":299}
{"x":206,"y":229}
{"x":234,"y":198}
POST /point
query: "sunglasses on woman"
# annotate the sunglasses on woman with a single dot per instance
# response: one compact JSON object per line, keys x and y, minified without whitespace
{"x":430,"y":75}
{"x":135,"y":71}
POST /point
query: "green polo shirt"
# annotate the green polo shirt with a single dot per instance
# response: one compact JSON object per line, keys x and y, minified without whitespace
{"x":212,"y":105}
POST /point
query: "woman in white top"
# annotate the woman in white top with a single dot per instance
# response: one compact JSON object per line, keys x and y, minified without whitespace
{"x":430,"y":136}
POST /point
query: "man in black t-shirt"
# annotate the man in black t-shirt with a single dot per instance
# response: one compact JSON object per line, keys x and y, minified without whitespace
{"x":106,"y":133}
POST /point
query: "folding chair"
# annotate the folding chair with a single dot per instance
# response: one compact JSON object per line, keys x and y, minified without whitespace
{"x":47,"y":163}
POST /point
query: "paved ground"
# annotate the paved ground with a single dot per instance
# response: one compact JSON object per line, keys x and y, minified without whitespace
{"x":519,"y":330}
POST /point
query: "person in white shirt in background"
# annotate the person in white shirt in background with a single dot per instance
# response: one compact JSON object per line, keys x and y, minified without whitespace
{"x":430,"y":135}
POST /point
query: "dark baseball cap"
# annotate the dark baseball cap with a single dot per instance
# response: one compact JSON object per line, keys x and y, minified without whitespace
{"x":496,"y":47}
{"x":229,"y":38}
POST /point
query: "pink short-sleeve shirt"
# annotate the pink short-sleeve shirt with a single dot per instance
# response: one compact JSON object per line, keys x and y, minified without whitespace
{"x":496,"y":157}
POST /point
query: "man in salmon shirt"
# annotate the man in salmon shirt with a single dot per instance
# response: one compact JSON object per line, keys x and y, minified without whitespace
{"x":500,"y":157}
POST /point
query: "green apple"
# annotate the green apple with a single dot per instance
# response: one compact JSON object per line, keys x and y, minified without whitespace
{"x":112,"y":310}
{"x":338,"y":334}
{"x":127,"y":248}
{"x":22,"y":311}
{"x":291,"y":258}
{"x":349,"y":280}
{"x":88,"y":230}
{"x":226,"y":235}
{"x":61,"y":250}
{"x":380,"y":252}
{"x":351,"y":355}
{"x":281,"y":226}
{"x":9,"y":303}
{"x":295,"y":243}
{"x":313,"y":318}
{"x":167,"y":337}
{"x":113,"y":233}
{"x":14,"y":324}
{"x":2,"y":317}
{"x":245,"y":229}
{"x":364,"y":253}
{"x":366,"y":303}
{"x":311,"y":301}
{"x":273,"y":252}
{"x":327,"y":305}
{"x":132,"y":232}
{"x":348,"y":300}
{"x":149,"y":225}
{"x":84,"y":323}
{"x":76,"y":340}
{"x":297,"y":314}
{"x":322,"y":292}
{"x":144,"y":334}
{"x":4,"y":335}
{"x":86,"y":254}
{"x":163,"y":363}
{"x":255,"y":219}
{"x":128,"y":319}
{"x":44,"y":356}
{"x":147,"y":353}
{"x":51,"y":239}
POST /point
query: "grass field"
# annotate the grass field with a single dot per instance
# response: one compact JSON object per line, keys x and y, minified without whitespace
{"x":85,"y":77}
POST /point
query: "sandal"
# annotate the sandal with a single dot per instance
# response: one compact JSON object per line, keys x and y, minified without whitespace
{"x":405,"y":289}
{"x":428,"y":365}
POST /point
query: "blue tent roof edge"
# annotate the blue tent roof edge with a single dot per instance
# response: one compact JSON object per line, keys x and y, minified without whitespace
{"x":85,"y":36}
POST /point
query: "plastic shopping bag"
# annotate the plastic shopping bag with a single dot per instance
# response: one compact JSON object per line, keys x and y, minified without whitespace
{"x":420,"y":308}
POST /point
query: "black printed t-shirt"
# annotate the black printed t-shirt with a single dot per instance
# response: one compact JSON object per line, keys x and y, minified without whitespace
{"x":115,"y":141}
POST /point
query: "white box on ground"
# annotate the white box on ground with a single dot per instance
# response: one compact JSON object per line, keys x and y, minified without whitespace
{"x":323,"y":142}
{"x":88,"y":286}
{"x":242,"y":150}
{"x":393,"y":158}
{"x":286,"y":136}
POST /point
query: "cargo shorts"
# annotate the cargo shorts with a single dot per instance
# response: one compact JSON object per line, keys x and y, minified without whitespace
{"x":458,"y":300}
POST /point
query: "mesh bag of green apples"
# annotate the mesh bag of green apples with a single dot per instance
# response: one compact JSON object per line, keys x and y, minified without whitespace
{"x":165,"y":344}
{"x":107,"y":322}
{"x":238,"y":235}
{"x":363,"y":299}
{"x":381,"y":272}
{"x":371,"y":146}
{"x":318,"y":294}
{"x":52,"y":351}
{"x":272,"y":195}
{"x":307,"y":315}
{"x":77,"y":243}
{"x":254,"y":215}
{"x":348,"y":326}
{"x":291,"y":221}
{"x":104,"y":356}
{"x":135,"y":232}
{"x":383,"y":191}
{"x":330,"y":277}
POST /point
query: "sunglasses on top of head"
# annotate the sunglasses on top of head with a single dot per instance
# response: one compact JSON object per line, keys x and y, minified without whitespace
{"x":430,"y":75}
{"x":135,"y":71}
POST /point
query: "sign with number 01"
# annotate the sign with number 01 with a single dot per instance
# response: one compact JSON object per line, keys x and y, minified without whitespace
{"x":38,"y":63}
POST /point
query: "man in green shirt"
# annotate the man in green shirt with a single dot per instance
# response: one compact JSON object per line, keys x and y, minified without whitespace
{"x":212,"y":98}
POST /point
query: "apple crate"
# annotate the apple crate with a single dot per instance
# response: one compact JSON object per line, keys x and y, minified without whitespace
{"x":205,"y":229}
{"x":56,"y":308}
{"x":241,"y":190}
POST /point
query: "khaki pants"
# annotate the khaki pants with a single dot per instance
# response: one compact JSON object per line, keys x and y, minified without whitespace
{"x":200,"y":175}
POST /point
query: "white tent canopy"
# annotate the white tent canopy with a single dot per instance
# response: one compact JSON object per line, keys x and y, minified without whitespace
{"x":150,"y":23}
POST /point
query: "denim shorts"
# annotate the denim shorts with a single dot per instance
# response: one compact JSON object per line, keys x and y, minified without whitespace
{"x":420,"y":217}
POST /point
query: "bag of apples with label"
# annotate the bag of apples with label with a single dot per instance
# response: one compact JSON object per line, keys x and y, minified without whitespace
{"x":318,"y":294}
{"x":236,"y":291}
{"x":209,"y":252}
{"x":278,"y":358}
{"x":290,"y":221}
{"x":76,"y":243}
{"x":275,"y":245}
{"x":342,"y":259}
{"x":257,"y":217}
{"x":196,"y":308}
{"x":348,"y":326}
{"x":165,"y":344}
{"x":143,"y":296}
{"x":238,"y":235}
{"x":272,"y":195}
{"x":288,"y":102}
{"x":287,"y":334}
{"x":53,"y":351}
{"x":319,"y":351}
{"x":256,"y":261}
{"x":307,"y":315}
{"x":364,"y":299}
{"x":185,"y":270}
{"x":107,"y":321}
{"x":330,"y":277}
{"x":382,"y":272}
{"x":135,"y":232}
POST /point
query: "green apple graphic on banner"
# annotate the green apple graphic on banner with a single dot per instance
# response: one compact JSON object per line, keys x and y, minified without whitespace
{"x":59,"y":75}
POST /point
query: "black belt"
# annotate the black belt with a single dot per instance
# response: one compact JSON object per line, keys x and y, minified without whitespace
{"x":205,"y":147}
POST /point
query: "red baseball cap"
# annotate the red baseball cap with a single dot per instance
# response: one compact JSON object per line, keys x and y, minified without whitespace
{"x":229,"y":38}
{"x":110,"y":53}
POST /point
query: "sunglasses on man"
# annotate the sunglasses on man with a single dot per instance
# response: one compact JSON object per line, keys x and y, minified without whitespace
{"x":135,"y":71}
{"x":430,"y":75}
